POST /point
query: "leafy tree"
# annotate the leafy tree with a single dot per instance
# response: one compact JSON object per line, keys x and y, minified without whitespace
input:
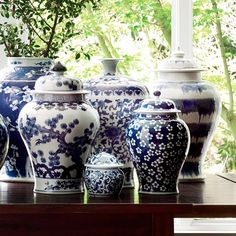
{"x":213,"y":22}
{"x":142,"y":24}
{"x":49,"y":24}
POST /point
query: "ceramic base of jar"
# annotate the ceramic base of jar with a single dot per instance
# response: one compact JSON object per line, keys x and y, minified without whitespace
{"x":192,"y":179}
{"x":58,"y":186}
{"x":158,"y":193}
{"x":16,"y":179}
{"x":129,"y":177}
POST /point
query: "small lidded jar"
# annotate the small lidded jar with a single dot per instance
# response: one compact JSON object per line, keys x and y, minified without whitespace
{"x":159,"y":142}
{"x":103,"y":175}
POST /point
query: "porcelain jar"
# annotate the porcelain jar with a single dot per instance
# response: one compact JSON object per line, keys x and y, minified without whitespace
{"x":159,"y":142}
{"x":179,"y":79}
{"x":16,"y":82}
{"x":115,"y":97}
{"x":103,"y":176}
{"x":4,"y":141}
{"x":58,"y":128}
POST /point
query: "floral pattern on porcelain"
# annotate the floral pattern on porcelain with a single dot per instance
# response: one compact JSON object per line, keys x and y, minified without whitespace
{"x":17,"y":81}
{"x":4,"y":141}
{"x":58,"y":134}
{"x":103,"y":158}
{"x":102,"y":182}
{"x":103,"y":176}
{"x":115,"y":97}
{"x":159,"y":143}
{"x":58,"y":144}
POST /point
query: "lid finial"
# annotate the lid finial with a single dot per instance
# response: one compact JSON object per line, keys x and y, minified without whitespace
{"x":59,"y":67}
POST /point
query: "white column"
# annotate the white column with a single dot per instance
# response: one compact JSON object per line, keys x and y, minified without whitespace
{"x":181,"y":27}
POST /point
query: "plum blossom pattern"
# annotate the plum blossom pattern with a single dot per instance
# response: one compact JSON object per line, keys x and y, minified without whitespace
{"x":45,"y":134}
{"x":159,"y":155}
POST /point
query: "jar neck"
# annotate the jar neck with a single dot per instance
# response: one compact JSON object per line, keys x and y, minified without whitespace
{"x":110,"y":66}
{"x":60,"y":98}
{"x":179,"y":76}
{"x":29,"y":62}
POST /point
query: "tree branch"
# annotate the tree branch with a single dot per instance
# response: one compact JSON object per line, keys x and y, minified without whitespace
{"x":223,"y":56}
{"x":30,"y":25}
{"x":53,"y":31}
{"x":35,"y":9}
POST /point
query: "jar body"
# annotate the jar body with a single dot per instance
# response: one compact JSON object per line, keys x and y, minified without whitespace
{"x":200,"y":108}
{"x":159,"y":144}
{"x":115,"y":98}
{"x":105,"y":182}
{"x":4,"y":141}
{"x":58,"y":137}
{"x":17,"y":80}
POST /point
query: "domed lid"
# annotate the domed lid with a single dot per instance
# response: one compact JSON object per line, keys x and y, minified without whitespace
{"x":177,"y":63}
{"x":103,"y":160}
{"x":57,"y":82}
{"x":157,"y":106}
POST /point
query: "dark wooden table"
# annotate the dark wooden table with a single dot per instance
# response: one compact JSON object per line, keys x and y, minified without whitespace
{"x":24,"y":213}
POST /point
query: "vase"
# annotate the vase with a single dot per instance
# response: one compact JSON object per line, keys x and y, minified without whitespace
{"x":58,"y":128}
{"x":103,"y":176}
{"x":159,"y":141}
{"x":179,"y":80}
{"x":4,"y":141}
{"x":16,"y":82}
{"x":115,"y":97}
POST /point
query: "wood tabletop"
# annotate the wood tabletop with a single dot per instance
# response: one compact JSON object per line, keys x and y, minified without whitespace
{"x":216,"y":196}
{"x":23,"y":212}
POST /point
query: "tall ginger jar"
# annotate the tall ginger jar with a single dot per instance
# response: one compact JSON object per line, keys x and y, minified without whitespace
{"x":16,"y":82}
{"x":179,"y":79}
{"x":58,"y":128}
{"x":115,"y":97}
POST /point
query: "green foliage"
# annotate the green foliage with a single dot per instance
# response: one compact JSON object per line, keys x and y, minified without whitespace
{"x":9,"y":37}
{"x":48,"y":23}
{"x":227,"y":151}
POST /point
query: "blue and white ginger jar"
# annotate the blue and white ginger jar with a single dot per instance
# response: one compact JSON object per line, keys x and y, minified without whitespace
{"x":115,"y":97}
{"x":179,"y":79}
{"x":103,"y":176}
{"x":159,"y":142}
{"x":58,"y":128}
{"x":16,"y":82}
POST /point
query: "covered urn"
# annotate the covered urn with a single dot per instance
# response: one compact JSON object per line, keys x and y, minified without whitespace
{"x":58,"y":128}
{"x":159,"y":142}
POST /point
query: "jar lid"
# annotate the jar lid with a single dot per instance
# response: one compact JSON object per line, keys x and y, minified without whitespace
{"x":103,"y":160}
{"x":157,"y":106}
{"x":57,"y":82}
{"x":177,"y":63}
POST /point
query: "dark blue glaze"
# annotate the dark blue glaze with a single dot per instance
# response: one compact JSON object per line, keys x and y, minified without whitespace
{"x":205,"y":107}
{"x":159,"y":149}
{"x":17,"y":82}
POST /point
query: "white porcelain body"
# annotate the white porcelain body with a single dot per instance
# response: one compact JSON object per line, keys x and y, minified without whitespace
{"x":17,"y":80}
{"x":200,"y":107}
{"x":115,"y":97}
{"x":58,"y":137}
